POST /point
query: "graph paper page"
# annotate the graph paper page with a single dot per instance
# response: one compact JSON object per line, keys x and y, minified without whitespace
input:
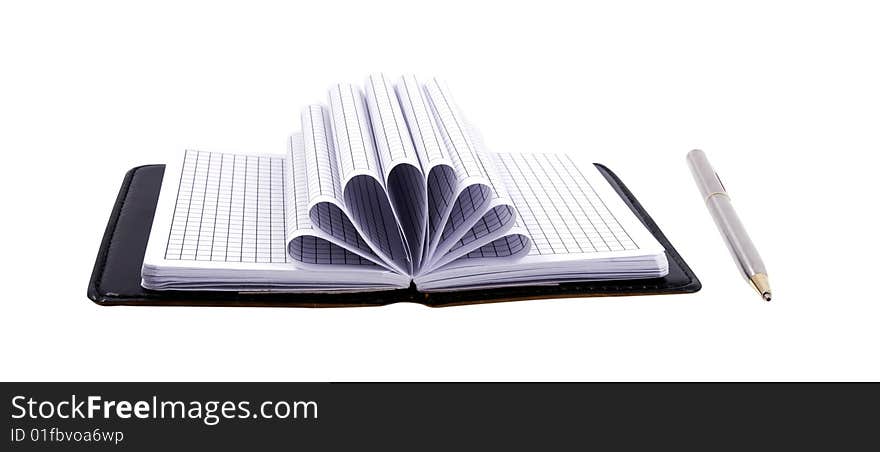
{"x":363,"y":184}
{"x":437,"y":166}
{"x":222,"y":223}
{"x":482,"y":210}
{"x":568,"y":211}
{"x":394,"y":145}
{"x":572,"y":226}
{"x":229,"y":208}
{"x":352,"y":133}
{"x":321,"y":234}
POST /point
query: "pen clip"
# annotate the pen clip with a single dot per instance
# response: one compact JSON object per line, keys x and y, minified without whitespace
{"x":719,"y":181}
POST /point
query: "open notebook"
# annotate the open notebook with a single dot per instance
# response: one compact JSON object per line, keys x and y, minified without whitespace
{"x":384,"y":187}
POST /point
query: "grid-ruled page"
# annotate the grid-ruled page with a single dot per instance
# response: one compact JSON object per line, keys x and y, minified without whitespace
{"x":559,"y":208}
{"x":229,"y":208}
{"x":425,"y":135}
{"x":298,"y":184}
{"x":454,"y":131}
{"x":306,"y":247}
{"x":314,"y":161}
{"x":435,"y":160}
{"x":393,"y":141}
{"x":322,"y":172}
{"x":470,"y":160}
{"x":492,"y":221}
{"x":351,"y":130}
{"x":508,"y":245}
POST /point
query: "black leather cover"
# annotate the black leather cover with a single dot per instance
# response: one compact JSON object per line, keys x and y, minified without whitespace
{"x":116,"y":277}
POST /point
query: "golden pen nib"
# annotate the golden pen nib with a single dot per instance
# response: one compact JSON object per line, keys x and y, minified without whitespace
{"x":761,"y":284}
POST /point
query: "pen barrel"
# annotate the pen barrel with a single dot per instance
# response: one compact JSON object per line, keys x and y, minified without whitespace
{"x":706,"y":178}
{"x":735,"y":236}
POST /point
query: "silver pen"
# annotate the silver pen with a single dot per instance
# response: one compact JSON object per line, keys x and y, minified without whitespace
{"x":732,"y":230}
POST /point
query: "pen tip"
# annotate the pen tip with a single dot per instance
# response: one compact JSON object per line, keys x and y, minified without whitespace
{"x":766,"y":296}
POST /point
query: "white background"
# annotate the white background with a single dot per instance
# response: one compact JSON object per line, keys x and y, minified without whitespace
{"x":783,"y":96}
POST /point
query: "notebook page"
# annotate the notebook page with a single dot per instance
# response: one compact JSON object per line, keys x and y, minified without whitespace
{"x":571,"y":212}
{"x":425,"y":135}
{"x":442,"y":181}
{"x":353,"y":137}
{"x":229,"y":208}
{"x":307,"y":242}
{"x":404,"y":180}
{"x":513,"y":242}
{"x":579,"y":229}
{"x":363,"y":186}
{"x":497,"y":220}
{"x":499,"y":233}
{"x":453,"y":130}
{"x":320,"y":179}
{"x":472,"y":192}
{"x":482,"y":211}
{"x":321,"y":168}
{"x":561,"y":210}
{"x":216,"y":227}
{"x":394,"y":145}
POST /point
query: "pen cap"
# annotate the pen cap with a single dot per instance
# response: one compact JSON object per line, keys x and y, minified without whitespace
{"x":706,"y":178}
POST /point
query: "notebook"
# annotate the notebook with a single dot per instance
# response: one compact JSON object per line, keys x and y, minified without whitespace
{"x":386,"y":186}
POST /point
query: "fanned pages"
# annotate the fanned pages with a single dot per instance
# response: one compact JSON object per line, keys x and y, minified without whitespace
{"x":402,"y":170}
{"x":441,"y":181}
{"x":580,"y":230}
{"x":217,"y":226}
{"x":481,"y":212}
{"x":383,"y":187}
{"x":363,"y":186}
{"x":316,"y":216}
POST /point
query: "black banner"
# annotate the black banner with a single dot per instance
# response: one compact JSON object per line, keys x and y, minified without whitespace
{"x":411,"y":416}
